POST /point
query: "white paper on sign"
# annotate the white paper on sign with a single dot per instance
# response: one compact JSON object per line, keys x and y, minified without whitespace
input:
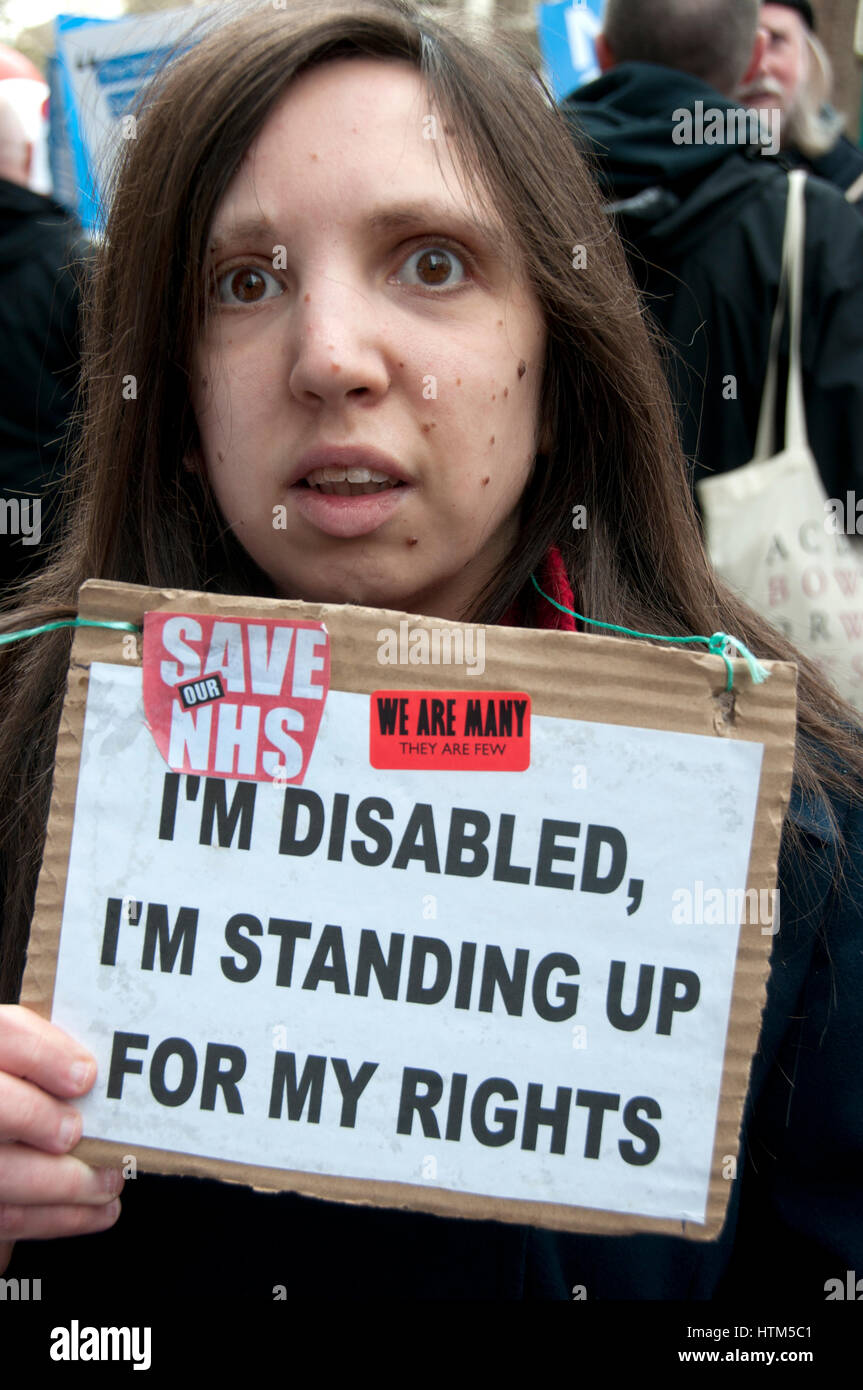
{"x":550,"y":1099}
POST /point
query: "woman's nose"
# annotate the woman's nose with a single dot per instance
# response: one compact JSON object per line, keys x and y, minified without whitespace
{"x":338,"y":344}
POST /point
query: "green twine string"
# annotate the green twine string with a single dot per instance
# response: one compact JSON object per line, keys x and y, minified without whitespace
{"x":716,"y":644}
{"x":64,"y":622}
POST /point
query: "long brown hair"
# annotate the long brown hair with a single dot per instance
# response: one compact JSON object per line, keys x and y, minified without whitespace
{"x":136,"y":513}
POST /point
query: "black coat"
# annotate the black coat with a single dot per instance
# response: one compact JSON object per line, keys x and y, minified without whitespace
{"x":703,"y":225}
{"x":842,"y":166}
{"x":795,"y":1215}
{"x":39,"y":357}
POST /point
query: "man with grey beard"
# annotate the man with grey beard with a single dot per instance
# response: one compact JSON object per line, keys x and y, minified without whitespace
{"x":693,"y":185}
{"x":795,"y":76}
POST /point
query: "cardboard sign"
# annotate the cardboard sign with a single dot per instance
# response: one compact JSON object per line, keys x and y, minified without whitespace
{"x":523,"y":983}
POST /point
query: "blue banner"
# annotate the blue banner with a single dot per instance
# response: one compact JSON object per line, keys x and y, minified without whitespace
{"x":98,"y":73}
{"x":566,"y":41}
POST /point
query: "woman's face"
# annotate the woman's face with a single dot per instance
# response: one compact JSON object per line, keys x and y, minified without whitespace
{"x":367,"y":388}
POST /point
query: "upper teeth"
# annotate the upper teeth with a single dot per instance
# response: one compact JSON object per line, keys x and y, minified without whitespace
{"x":335,"y":474}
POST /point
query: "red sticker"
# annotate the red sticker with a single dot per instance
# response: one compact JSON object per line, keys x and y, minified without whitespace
{"x":489,"y":731}
{"x":235,"y":697}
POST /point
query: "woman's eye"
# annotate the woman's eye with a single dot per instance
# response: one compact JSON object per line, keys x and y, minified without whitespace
{"x":433,"y":267}
{"x":247,"y":284}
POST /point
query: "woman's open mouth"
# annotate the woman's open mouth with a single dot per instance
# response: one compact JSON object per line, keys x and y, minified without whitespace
{"x":349,"y":482}
{"x":349,"y":501}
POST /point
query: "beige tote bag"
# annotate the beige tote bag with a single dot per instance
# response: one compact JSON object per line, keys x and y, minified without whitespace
{"x":769,"y":531}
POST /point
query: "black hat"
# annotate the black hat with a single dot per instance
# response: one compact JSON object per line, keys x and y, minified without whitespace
{"x":802,"y":7}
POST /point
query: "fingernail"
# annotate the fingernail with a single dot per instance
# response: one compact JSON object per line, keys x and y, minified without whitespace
{"x":111,"y":1181}
{"x":69,"y":1130}
{"x":80,"y":1073}
{"x":108,"y":1215}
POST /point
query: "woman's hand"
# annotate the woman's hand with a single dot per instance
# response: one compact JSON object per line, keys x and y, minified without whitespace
{"x":44,"y":1192}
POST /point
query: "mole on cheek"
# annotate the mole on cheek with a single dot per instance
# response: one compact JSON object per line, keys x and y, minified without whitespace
{"x":413,"y":540}
{"x":486,"y":480}
{"x":522,"y":368}
{"x":428,"y":427}
{"x":307,"y":299}
{"x":220,"y":457}
{"x":505,"y":392}
{"x":491,"y":441}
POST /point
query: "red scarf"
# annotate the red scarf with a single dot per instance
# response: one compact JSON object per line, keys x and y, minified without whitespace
{"x":553,"y":581}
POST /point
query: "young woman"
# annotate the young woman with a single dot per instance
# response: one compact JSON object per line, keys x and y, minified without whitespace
{"x":362,"y":282}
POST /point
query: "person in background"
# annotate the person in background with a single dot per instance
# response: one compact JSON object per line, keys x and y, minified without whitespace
{"x":39,"y":352}
{"x":703,"y":221}
{"x":795,"y":76}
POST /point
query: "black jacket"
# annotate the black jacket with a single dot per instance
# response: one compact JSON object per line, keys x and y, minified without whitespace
{"x":703,"y":225}
{"x":841,"y":166}
{"x":795,"y":1213}
{"x":39,"y":347}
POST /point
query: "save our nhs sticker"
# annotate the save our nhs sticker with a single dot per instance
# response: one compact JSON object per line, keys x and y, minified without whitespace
{"x":235,"y":697}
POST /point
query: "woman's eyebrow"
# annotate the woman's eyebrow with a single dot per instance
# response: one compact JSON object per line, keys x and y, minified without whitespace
{"x":398,"y":217}
{"x":388,"y":219}
{"x":246,"y":229}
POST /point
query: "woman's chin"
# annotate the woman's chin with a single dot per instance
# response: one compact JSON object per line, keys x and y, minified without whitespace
{"x":362,"y":595}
